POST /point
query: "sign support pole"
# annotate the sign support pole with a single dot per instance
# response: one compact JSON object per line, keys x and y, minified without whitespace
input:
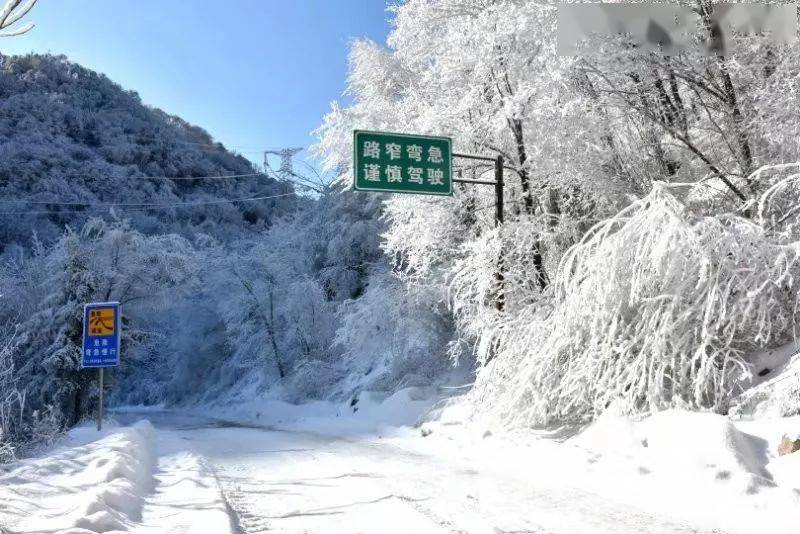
{"x":498,"y":190}
{"x":100,"y":401}
{"x":498,"y":221}
{"x":499,"y":215}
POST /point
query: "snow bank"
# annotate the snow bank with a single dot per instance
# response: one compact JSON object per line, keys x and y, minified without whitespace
{"x":691,"y":468}
{"x":704,"y":464}
{"x":368,"y":412}
{"x":706,"y":443}
{"x":774,"y":390}
{"x":684,"y":443}
{"x":95,"y":487}
{"x":697,"y":472}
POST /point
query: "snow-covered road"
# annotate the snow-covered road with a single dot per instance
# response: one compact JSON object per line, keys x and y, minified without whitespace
{"x":293,"y":481}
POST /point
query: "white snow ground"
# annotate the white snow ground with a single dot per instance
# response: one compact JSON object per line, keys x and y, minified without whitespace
{"x":324,"y":468}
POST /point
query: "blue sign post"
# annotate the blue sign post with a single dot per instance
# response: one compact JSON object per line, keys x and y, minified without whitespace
{"x":101,"y":336}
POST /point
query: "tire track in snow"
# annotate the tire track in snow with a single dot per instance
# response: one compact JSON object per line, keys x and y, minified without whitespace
{"x":436,"y":518}
{"x":245,"y":520}
{"x":236,"y":523}
{"x":239,"y":516}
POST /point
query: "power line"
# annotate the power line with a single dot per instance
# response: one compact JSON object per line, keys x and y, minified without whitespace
{"x":141,"y":205}
{"x":212,"y":144}
{"x":219,"y":177}
{"x":217,"y":145}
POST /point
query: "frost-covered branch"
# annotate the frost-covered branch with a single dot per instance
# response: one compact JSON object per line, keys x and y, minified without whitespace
{"x":13,"y":11}
{"x":655,"y":307}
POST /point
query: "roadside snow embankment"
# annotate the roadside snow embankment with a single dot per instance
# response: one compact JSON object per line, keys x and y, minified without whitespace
{"x":708,"y":465}
{"x":699,"y":469}
{"x":774,"y":389}
{"x":367,"y":413}
{"x":93,"y":487}
{"x":678,"y":442}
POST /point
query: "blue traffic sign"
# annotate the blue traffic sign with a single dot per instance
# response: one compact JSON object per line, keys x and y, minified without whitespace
{"x":101,"y":334}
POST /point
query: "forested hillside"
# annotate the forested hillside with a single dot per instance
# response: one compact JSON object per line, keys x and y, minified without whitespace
{"x":101,"y":201}
{"x":73,"y":141}
{"x":107,"y":199}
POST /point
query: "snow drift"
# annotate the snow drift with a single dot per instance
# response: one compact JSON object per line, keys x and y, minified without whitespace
{"x":677,"y":443}
{"x":95,"y":487}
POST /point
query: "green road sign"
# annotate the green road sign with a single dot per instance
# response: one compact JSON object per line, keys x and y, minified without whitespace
{"x":401,"y":163}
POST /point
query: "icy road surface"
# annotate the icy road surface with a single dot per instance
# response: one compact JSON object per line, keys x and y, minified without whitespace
{"x":290,"y":481}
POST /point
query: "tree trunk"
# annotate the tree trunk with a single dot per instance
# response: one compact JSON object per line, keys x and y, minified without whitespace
{"x":745,"y":155}
{"x":522,"y":158}
{"x":527,"y":198}
{"x":271,"y":333}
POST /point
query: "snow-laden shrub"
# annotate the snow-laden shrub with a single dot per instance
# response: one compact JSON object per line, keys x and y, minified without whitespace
{"x":511,"y":263}
{"x":654,"y":308}
{"x":21,"y":431}
{"x":774,"y":391}
{"x":12,"y":403}
{"x":311,"y":379}
{"x":779,"y":205}
{"x":392,"y":337}
{"x":104,"y":261}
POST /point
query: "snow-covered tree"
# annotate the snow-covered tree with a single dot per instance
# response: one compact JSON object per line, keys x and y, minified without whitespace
{"x":102,"y":262}
{"x":587,"y":141}
{"x":655,"y":307}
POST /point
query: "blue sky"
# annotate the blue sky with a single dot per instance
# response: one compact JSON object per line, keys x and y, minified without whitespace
{"x":255,"y":73}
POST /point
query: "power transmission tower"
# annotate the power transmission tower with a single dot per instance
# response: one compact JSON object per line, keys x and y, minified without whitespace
{"x":310,"y":179}
{"x":286,"y":169}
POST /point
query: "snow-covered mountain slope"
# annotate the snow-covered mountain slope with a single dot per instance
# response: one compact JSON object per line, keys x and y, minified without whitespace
{"x":71,"y":135}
